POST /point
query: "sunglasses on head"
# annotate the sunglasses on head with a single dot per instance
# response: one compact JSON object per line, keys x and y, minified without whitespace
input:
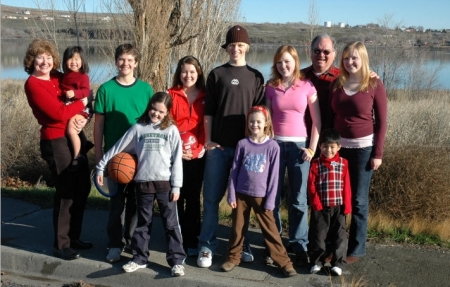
{"x":325,"y":52}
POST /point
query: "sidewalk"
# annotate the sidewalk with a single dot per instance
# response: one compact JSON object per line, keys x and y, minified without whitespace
{"x":26,"y":251}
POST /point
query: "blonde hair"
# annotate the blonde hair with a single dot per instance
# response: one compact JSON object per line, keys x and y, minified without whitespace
{"x":268,"y":129}
{"x":247,"y":46}
{"x":366,"y":81}
{"x":275,"y":76}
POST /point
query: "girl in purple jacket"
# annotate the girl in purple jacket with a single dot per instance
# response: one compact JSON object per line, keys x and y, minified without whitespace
{"x":253,"y":184}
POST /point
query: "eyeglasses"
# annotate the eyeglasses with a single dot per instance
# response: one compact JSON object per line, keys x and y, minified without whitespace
{"x":325,"y":52}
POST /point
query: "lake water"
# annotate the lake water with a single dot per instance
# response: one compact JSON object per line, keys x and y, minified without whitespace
{"x":259,"y":58}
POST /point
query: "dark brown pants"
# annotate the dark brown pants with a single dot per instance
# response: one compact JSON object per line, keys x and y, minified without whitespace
{"x":272,"y":238}
{"x":72,"y":189}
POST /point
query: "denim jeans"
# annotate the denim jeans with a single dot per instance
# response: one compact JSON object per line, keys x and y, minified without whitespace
{"x":122,"y":214}
{"x":217,"y":172}
{"x":360,"y":176}
{"x":291,"y":158}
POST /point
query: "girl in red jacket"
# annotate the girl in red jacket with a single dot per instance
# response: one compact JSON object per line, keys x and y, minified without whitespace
{"x":75,"y":86}
{"x":188,"y":96}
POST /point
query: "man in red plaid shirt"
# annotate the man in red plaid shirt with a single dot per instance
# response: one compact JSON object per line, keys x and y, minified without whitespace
{"x":330,"y":197}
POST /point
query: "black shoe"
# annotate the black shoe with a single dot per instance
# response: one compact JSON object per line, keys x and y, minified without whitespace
{"x":66,"y":253}
{"x":127,"y":249}
{"x":78,"y":244}
{"x":301,"y":259}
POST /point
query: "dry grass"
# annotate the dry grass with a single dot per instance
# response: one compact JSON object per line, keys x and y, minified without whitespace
{"x":416,"y":226}
{"x":410,"y":190}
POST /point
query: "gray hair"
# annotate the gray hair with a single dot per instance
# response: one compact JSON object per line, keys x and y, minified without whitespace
{"x":320,"y":37}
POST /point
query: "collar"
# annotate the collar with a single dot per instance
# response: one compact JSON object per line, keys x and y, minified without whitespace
{"x":331,"y":71}
{"x":297,"y":83}
{"x":330,"y":163}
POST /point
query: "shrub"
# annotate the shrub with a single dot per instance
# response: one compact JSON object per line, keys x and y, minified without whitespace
{"x":411,"y":187}
{"x":20,"y":135}
{"x":413,"y":183}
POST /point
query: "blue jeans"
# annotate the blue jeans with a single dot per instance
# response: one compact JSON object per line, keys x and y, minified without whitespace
{"x":360,"y":176}
{"x":217,"y":171}
{"x":291,"y":158}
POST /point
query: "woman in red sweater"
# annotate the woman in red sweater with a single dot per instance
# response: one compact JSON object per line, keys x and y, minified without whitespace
{"x":43,"y":92}
{"x":188,"y":95}
{"x":359,"y":105}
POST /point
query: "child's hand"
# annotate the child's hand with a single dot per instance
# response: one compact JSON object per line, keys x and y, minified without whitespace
{"x":201,"y":153}
{"x":70,"y":94}
{"x":307,"y":154}
{"x":233,"y":204}
{"x":375,"y":163}
{"x":213,"y":145}
{"x":187,"y":154}
{"x":174,"y":196}
{"x":100,"y":180}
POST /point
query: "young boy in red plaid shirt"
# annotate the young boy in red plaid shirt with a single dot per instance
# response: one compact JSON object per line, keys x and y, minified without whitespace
{"x":330,"y":197}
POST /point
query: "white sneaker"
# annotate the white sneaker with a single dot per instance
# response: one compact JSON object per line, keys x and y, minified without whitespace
{"x":113,"y":255}
{"x":204,"y":259}
{"x":336,"y":271}
{"x":132,"y":266}
{"x":315,"y":269}
{"x":177,"y":270}
{"x":246,"y":254}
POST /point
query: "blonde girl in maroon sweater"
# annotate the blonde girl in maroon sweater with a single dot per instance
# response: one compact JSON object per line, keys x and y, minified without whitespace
{"x":359,"y":105}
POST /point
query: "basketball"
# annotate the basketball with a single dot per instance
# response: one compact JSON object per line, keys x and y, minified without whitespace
{"x":189,"y":140}
{"x":122,"y":167}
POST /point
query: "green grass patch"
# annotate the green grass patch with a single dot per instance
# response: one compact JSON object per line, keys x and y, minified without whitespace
{"x":43,"y":196}
{"x":404,"y":235}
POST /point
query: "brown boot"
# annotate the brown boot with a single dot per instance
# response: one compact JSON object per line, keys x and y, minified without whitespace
{"x":289,"y":271}
{"x":227,"y":266}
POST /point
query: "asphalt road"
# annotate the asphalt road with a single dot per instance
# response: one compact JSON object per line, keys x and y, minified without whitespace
{"x":26,"y":243}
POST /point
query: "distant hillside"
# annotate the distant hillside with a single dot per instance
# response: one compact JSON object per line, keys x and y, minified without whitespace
{"x":15,"y":24}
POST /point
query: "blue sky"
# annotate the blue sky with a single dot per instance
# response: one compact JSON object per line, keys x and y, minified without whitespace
{"x":434,"y":14}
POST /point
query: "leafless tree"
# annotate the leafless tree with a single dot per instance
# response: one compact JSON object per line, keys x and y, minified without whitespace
{"x":399,"y":64}
{"x":46,"y":20}
{"x":390,"y":60}
{"x":313,"y":18}
{"x":164,"y":30}
{"x":74,"y":7}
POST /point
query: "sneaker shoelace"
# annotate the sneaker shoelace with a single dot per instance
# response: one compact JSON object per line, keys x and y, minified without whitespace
{"x":205,"y":254}
{"x":245,"y":249}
